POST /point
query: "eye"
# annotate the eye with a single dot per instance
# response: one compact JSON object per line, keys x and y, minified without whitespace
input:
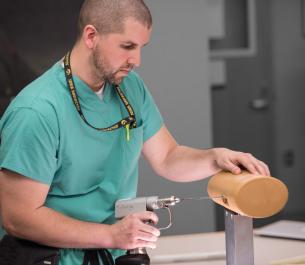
{"x":128,"y":46}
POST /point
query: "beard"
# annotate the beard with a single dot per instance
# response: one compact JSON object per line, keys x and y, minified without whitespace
{"x":103,"y":69}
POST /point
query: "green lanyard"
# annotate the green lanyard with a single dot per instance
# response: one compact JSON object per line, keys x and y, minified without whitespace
{"x":128,"y":122}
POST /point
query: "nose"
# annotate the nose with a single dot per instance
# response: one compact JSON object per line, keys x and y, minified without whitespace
{"x":135,"y":58}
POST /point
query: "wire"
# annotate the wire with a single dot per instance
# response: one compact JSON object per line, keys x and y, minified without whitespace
{"x":202,"y":198}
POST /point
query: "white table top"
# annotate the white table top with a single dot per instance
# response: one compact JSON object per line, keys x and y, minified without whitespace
{"x":266,"y":250}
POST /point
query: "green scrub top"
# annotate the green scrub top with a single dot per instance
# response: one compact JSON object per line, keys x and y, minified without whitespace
{"x":44,"y":138}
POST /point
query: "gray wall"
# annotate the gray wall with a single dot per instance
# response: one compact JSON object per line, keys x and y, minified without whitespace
{"x":175,"y":67}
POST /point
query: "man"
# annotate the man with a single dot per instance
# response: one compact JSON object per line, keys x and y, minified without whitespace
{"x":66,"y":158}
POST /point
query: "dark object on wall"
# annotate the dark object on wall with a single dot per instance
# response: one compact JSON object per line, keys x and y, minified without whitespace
{"x":14,"y":72}
{"x":289,"y":158}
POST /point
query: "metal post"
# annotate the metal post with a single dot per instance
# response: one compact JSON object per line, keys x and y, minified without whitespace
{"x":239,"y":239}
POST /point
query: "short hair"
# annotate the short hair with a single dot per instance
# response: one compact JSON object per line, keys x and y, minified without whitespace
{"x":108,"y":16}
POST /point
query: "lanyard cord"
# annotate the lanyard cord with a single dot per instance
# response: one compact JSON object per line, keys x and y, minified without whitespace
{"x":128,"y":122}
{"x":91,"y":256}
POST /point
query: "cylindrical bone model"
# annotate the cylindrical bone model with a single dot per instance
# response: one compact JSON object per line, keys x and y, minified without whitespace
{"x":250,"y":195}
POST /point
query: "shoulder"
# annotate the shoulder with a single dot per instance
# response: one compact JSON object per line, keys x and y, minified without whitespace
{"x":48,"y":87}
{"x":40,"y":98}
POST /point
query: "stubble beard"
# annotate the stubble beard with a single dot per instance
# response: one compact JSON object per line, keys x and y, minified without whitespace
{"x":103,"y":70}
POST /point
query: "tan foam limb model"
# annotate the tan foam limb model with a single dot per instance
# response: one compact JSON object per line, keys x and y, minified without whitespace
{"x":250,"y":195}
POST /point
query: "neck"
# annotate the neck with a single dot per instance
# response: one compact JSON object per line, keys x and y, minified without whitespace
{"x":82,"y":68}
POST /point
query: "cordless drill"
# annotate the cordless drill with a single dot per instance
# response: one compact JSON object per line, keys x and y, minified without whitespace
{"x":138,"y":256}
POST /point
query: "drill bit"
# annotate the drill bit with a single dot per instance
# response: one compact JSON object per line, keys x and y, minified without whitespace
{"x":202,"y":198}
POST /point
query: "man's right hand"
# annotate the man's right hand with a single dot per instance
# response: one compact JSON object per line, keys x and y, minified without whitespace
{"x":133,"y":232}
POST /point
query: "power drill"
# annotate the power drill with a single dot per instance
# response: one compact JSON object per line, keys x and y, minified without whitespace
{"x":124,"y":207}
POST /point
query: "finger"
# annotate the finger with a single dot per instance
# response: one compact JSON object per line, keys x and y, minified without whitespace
{"x":251,"y":168}
{"x":267,"y":171}
{"x":259,"y":167}
{"x":145,"y":244}
{"x":147,"y":216}
{"x":262,"y":168}
{"x":230,"y":166}
{"x":246,"y":160}
{"x":150,"y":229}
{"x":146,"y":237}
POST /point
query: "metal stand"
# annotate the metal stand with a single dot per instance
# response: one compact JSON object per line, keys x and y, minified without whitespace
{"x":239,"y":239}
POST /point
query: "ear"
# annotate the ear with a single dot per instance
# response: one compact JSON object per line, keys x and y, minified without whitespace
{"x":90,"y":36}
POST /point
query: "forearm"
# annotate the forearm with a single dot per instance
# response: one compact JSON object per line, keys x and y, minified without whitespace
{"x":184,"y":164}
{"x":48,"y":227}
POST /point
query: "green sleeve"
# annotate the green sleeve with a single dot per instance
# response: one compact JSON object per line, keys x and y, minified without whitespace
{"x":29,"y":144}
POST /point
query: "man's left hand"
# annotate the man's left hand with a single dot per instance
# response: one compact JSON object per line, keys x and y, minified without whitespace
{"x":234,"y":162}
